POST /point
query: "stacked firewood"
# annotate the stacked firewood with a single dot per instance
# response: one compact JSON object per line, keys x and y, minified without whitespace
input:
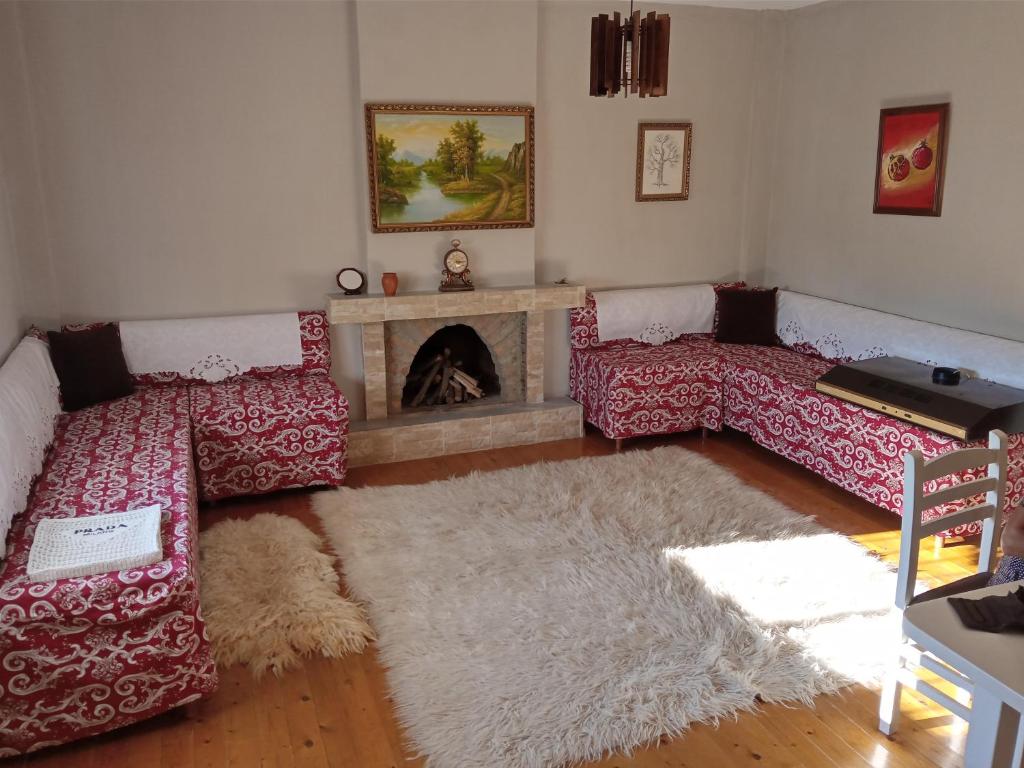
{"x":443,"y":382}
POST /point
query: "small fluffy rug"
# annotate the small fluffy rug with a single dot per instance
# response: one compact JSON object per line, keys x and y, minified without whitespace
{"x":270,"y":596}
{"x":551,"y":614}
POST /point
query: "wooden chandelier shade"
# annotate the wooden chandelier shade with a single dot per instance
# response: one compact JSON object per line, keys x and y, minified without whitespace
{"x":631,"y":56}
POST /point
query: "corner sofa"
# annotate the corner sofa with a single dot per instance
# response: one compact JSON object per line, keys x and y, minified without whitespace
{"x":632,"y":389}
{"x":81,"y":656}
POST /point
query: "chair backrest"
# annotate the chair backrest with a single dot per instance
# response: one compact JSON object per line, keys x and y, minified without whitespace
{"x":917,"y":473}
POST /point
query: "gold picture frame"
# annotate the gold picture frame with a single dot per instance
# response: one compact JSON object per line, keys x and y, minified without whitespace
{"x":447,"y":167}
{"x":663,"y":161}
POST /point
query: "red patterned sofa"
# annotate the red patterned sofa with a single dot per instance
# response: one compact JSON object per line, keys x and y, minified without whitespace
{"x":630,"y":389}
{"x":275,"y":427}
{"x":255,"y":429}
{"x":86,"y":655}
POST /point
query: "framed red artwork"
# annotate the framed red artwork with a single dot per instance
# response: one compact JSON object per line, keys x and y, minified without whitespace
{"x":911,"y":160}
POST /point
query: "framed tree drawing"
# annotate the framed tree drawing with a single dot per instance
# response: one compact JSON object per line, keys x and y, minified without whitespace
{"x":911,"y":162}
{"x":437,"y":166}
{"x":663,"y":161}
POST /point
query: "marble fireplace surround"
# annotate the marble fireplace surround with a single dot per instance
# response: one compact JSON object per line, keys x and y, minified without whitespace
{"x":510,"y":321}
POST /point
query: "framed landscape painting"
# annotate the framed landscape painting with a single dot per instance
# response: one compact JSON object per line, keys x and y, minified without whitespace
{"x":449,"y":167}
{"x":663,"y":161}
{"x":911,"y":160}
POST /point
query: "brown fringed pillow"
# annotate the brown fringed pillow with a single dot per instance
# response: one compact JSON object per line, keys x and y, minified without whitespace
{"x":90,"y":366}
{"x":746,"y":316}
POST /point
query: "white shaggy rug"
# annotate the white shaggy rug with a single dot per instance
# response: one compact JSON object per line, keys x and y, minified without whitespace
{"x":550,"y":614}
{"x":270,"y":596}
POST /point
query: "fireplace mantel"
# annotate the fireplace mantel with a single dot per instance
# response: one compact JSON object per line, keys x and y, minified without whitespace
{"x":417,"y":305}
{"x":390,"y":434}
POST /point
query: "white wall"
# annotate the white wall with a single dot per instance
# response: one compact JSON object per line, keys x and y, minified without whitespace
{"x":27,"y":289}
{"x":198,"y":158}
{"x":10,"y":297}
{"x":592,"y":229}
{"x":589,"y":226}
{"x":842,"y":63}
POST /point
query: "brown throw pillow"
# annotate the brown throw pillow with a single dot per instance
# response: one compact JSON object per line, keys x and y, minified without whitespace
{"x":746,"y":316}
{"x":90,"y":366}
{"x":719,"y":287}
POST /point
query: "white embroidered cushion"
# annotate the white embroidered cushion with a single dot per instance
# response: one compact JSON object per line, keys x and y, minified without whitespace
{"x":29,"y":407}
{"x":655,"y":315}
{"x":839,"y":331}
{"x":212,"y":348}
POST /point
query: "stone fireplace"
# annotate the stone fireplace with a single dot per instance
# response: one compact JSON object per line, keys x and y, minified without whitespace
{"x":494,"y":336}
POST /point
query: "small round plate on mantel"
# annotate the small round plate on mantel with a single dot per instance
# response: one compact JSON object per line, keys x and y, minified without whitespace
{"x":351,"y":280}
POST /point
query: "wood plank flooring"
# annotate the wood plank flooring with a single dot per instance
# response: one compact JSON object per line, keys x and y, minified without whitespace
{"x":337,"y":713}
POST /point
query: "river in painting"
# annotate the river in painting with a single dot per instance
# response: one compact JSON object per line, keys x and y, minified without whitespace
{"x":426,"y":203}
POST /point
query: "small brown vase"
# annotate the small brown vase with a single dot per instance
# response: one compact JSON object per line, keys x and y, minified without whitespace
{"x":389,"y":282}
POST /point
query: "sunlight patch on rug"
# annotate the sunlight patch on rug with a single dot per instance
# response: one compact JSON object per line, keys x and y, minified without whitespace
{"x":550,"y":614}
{"x":833,"y":622}
{"x":270,"y":596}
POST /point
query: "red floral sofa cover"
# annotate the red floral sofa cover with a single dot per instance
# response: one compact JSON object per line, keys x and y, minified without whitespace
{"x":630,"y":389}
{"x":258,"y":436}
{"x":262,"y":429}
{"x":272,"y":428}
{"x":86,"y":655}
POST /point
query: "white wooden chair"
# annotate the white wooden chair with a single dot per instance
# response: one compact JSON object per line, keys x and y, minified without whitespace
{"x":916,"y":473}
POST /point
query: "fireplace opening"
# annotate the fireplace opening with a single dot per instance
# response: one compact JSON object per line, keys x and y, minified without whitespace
{"x":452,"y":367}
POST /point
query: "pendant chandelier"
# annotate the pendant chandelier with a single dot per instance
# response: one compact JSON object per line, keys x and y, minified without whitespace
{"x":630,"y":55}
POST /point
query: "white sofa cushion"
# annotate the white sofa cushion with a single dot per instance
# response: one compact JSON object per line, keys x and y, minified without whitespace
{"x":841,"y":331}
{"x":212,"y":348}
{"x":29,"y":407}
{"x":655,"y":315}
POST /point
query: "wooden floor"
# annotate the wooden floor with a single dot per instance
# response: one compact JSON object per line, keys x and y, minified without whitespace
{"x":337,"y":713}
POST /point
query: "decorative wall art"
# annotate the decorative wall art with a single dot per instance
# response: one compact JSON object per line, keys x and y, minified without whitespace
{"x":449,"y":167}
{"x":663,"y":161}
{"x":911,"y":160}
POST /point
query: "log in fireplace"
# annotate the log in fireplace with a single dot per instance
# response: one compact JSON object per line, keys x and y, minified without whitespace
{"x":453,"y":366}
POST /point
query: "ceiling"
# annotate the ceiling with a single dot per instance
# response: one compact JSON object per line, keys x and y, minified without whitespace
{"x":777,"y":5}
